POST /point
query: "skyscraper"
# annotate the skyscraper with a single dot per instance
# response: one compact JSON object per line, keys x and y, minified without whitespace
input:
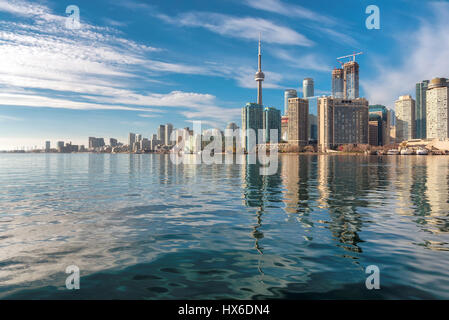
{"x":271,"y":121}
{"x":47,"y":146}
{"x":337,"y":83}
{"x":259,"y":77}
{"x":289,"y":93}
{"x":168,"y":131}
{"x":298,"y":121}
{"x":161,"y":134}
{"x":437,"y":96}
{"x":113,"y":142}
{"x":252,"y":118}
{"x":379,"y":113}
{"x":131,"y":140}
{"x":307,"y":88}
{"x":351,"y":80}
{"x":405,"y":118}
{"x":342,"y":121}
{"x":420,"y":109}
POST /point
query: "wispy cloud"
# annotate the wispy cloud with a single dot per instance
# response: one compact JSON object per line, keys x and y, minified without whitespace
{"x":4,"y":118}
{"x":306,"y":62}
{"x":240,"y":27}
{"x":44,"y":64}
{"x":290,"y":10}
{"x":427,"y":59}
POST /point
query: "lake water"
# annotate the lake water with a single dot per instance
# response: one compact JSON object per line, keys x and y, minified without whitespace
{"x":140,"y":227}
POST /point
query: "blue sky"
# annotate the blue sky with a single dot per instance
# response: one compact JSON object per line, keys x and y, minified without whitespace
{"x":135,"y":64}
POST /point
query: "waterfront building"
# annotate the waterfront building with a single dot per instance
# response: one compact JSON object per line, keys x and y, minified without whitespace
{"x":313,"y":118}
{"x":308,"y":88}
{"x":47,"y":146}
{"x":60,"y":146}
{"x":271,"y":121}
{"x":96,"y":142}
{"x":342,"y":121}
{"x":298,"y":121}
{"x":337,"y":83}
{"x":288,"y":94}
{"x":405,"y":118}
{"x":113,"y":142}
{"x":379,"y":113}
{"x":131,"y":141}
{"x":392,"y":120}
{"x":374,"y":131}
{"x":138,"y":137}
{"x":351,"y":80}
{"x":168,"y":131}
{"x":284,"y":128}
{"x":437,"y":109}
{"x":161,"y":133}
{"x":420,"y":109}
{"x":252,"y":118}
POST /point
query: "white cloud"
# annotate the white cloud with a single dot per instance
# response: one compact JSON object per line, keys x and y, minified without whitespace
{"x":306,"y":62}
{"x":289,"y":10}
{"x":240,"y":27}
{"x":425,"y":56}
{"x":43,"y":64}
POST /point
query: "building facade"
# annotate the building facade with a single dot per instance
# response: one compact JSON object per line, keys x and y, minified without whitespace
{"x":437,"y":109}
{"x":351,"y":80}
{"x":271,"y":121}
{"x":308,"y":88}
{"x":405,"y":118}
{"x":342,"y":121}
{"x":420,"y":109}
{"x":379,"y":113}
{"x":298,"y":121}
{"x":161,"y":134}
{"x":168,"y":131}
{"x":252,"y":118}
{"x":337,"y":83}
{"x":288,"y":94}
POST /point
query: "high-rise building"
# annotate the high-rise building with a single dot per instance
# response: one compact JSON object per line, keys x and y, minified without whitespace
{"x":168,"y":131}
{"x":131,"y":141}
{"x":47,"y":146}
{"x":96,"y":142}
{"x":259,"y":77}
{"x":161,"y":134}
{"x":60,"y":146}
{"x":313,"y":118}
{"x":138,"y":137}
{"x":437,"y":96}
{"x":289,"y":93}
{"x":342,"y":121}
{"x":379,"y":113}
{"x":252,"y":118}
{"x":113,"y":142}
{"x":373,"y":134}
{"x":405,"y":118}
{"x":284,"y":128}
{"x":298,"y":121}
{"x":337,"y":83}
{"x":308,"y":88}
{"x":420,"y":109}
{"x":271,"y":121}
{"x":351,"y":80}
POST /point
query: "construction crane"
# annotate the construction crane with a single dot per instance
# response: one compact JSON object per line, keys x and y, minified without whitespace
{"x":348,"y":56}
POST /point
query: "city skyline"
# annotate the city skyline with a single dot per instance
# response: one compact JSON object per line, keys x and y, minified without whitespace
{"x":176,"y":88}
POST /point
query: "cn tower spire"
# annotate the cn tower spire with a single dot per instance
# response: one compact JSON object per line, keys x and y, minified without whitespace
{"x":259,"y":76}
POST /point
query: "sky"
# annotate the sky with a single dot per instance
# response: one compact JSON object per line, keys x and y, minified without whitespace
{"x":133,"y":64}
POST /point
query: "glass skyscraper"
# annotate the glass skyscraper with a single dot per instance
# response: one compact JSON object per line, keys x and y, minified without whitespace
{"x":271,"y":120}
{"x":252,"y":118}
{"x":307,"y":88}
{"x":289,"y":93}
{"x":420,"y":109}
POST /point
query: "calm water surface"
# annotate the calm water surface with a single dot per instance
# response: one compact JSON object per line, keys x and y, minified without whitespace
{"x":140,"y":227}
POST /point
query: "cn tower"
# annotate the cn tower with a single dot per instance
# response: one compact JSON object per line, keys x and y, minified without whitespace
{"x":259,"y":77}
